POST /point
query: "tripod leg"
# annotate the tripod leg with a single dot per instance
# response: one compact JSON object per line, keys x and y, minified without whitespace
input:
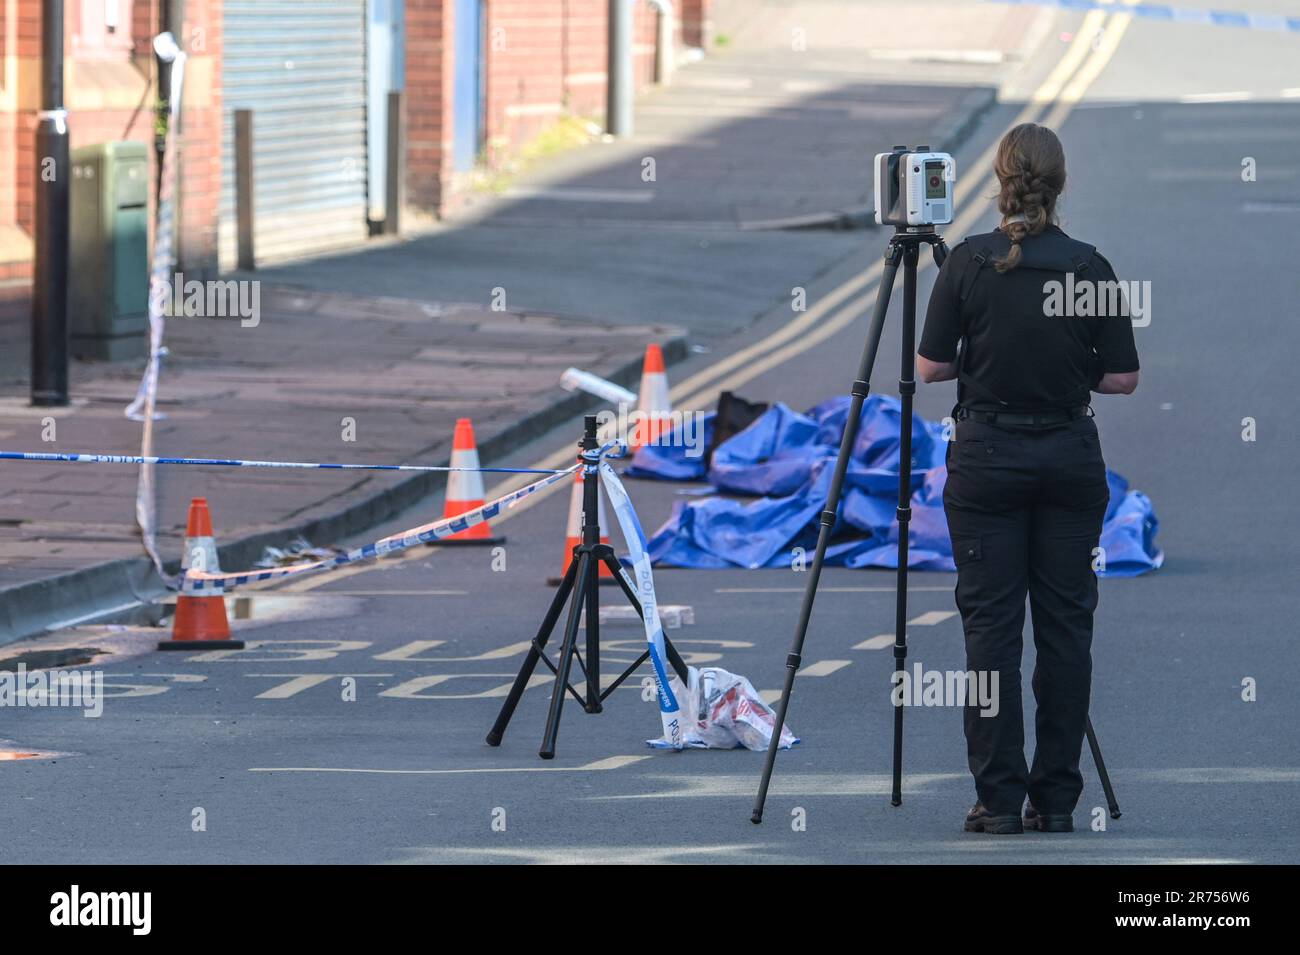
{"x":589,"y":581}
{"x":583,"y":564}
{"x":674,"y":658}
{"x":940,"y":252}
{"x":906,"y":389}
{"x":592,"y":585}
{"x":498,"y":730}
{"x":676,"y":662}
{"x":861,"y":387}
{"x":1101,"y":771}
{"x":620,"y":575}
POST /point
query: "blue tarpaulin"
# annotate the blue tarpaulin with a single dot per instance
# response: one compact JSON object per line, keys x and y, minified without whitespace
{"x":776,"y":475}
{"x":673,"y":462}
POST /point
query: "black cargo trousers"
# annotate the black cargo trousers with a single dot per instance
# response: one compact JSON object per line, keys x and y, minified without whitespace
{"x":1025,"y":508}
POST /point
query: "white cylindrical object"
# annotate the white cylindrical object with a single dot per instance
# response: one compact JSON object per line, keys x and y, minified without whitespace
{"x":575,"y":379}
{"x":665,"y":41}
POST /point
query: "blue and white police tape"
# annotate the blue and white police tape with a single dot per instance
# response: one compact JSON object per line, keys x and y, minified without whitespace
{"x":197,"y":582}
{"x":237,"y":463}
{"x":161,"y":274}
{"x":1161,"y":11}
{"x":670,"y":709}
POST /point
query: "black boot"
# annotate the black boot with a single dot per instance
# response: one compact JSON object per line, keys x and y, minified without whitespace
{"x":980,"y":819}
{"x":1048,"y":822}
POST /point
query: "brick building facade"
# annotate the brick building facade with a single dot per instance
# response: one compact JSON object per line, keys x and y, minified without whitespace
{"x":109,"y":91}
{"x":539,"y":60}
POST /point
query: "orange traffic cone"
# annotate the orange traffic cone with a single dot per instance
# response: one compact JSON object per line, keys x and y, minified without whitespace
{"x":200,"y":622}
{"x":573,"y":534}
{"x":465,"y":488}
{"x":653,"y":405}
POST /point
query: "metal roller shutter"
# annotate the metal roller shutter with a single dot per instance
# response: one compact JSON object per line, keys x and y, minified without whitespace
{"x":300,"y":65}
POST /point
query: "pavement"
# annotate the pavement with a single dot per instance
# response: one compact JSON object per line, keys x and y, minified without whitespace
{"x":323,"y":376}
{"x":760,"y":157}
{"x":351,"y":728}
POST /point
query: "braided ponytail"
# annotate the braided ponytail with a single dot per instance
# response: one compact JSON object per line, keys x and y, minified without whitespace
{"x":1030,"y":167}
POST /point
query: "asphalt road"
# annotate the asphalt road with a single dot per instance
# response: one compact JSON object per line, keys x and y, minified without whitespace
{"x":285,"y":769}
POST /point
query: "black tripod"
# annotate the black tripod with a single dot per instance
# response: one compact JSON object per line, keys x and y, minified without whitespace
{"x":582,"y":582}
{"x":904,"y":247}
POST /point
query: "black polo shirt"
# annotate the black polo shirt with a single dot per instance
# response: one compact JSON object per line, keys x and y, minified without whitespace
{"x":1031,"y":333}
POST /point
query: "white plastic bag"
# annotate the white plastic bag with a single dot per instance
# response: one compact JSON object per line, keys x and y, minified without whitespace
{"x":724,"y":711}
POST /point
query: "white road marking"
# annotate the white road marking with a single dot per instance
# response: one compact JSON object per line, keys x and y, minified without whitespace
{"x":927,"y":619}
{"x":114,"y":681}
{"x":737,"y":785}
{"x":255,"y":651}
{"x":1214,"y":775}
{"x":600,"y":765}
{"x":1221,"y":133}
{"x":825,"y":590}
{"x":414,"y":689}
{"x":878,"y":642}
{"x":809,"y":86}
{"x":410,"y":652}
{"x":574,"y":194}
{"x":1217,"y":175}
{"x":603,"y":855}
{"x":931,"y":617}
{"x":824,"y":667}
{"x":294,"y":685}
{"x":1269,"y":207}
{"x":1232,"y":96}
{"x":820,"y":668}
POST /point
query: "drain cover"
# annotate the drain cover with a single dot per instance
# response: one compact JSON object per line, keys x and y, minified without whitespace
{"x":47,"y":659}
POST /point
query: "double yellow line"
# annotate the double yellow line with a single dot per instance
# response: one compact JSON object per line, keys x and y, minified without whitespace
{"x":1087,"y":56}
{"x":1092,"y":48}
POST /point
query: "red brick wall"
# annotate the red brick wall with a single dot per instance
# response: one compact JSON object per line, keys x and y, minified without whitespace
{"x":111,"y":80}
{"x":526,"y":64}
{"x":694,"y":16}
{"x":16,"y":132}
{"x":144,"y":20}
{"x":428,"y":103}
{"x":547,"y":58}
{"x":28,"y":40}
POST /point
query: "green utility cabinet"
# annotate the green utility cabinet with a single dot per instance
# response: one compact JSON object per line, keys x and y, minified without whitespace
{"x":108,"y":271}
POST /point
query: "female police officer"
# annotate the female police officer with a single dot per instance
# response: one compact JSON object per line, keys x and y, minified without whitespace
{"x":1026,"y":490}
